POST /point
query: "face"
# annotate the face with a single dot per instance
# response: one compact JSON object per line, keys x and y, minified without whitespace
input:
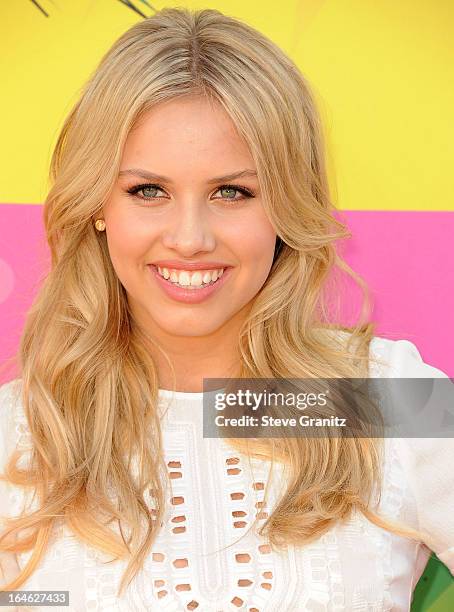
{"x":190,"y":248}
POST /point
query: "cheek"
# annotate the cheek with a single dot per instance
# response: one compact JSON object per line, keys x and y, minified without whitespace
{"x":255,"y":251}
{"x":257,"y":245}
{"x":128,"y":247}
{"x":126,"y":237}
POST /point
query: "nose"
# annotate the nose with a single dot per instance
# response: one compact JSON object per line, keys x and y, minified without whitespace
{"x":188,"y":231}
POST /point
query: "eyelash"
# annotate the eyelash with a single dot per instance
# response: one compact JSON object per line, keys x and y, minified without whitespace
{"x":247,"y":193}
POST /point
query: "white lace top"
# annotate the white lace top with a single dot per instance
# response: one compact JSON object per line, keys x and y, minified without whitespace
{"x":199,"y":562}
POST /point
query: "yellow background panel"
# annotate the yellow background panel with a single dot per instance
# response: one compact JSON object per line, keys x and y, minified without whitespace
{"x":381,"y":72}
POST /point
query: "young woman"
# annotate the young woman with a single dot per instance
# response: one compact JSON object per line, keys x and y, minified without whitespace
{"x":192,"y":236}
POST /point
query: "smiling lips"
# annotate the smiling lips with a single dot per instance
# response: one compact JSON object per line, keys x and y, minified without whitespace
{"x":190,"y":279}
{"x":190,"y":286}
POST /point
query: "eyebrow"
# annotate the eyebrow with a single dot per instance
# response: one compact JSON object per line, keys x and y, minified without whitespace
{"x":145,"y":174}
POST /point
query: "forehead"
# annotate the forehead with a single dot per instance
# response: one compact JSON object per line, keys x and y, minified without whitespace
{"x":190,"y":128}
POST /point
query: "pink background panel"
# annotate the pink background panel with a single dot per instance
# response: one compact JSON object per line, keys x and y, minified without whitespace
{"x":407,"y":259}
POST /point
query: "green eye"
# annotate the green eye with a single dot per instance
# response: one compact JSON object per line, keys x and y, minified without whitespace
{"x":149,"y":188}
{"x":246,"y":193}
{"x":229,"y":189}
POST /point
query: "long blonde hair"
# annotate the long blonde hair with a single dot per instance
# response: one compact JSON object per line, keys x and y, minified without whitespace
{"x":89,"y":386}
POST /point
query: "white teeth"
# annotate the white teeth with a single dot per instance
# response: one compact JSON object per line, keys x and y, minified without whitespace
{"x":164,"y":272}
{"x":196,"y":279}
{"x":184,"y":279}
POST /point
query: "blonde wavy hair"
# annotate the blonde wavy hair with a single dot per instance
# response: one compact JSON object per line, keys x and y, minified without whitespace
{"x":89,"y":385}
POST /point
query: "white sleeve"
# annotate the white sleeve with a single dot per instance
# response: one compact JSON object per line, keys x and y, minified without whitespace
{"x":428,"y":463}
{"x":9,"y":567}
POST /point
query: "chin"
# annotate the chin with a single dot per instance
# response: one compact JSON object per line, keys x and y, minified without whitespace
{"x":191,"y":326}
